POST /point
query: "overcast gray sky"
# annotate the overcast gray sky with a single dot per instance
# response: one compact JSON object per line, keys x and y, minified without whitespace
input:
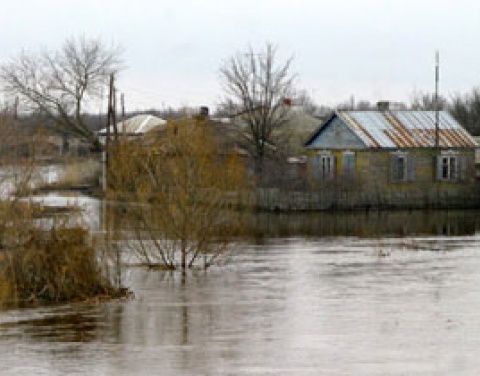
{"x":371,"y":49}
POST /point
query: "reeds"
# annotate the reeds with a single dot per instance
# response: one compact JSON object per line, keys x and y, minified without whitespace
{"x":55,"y":265}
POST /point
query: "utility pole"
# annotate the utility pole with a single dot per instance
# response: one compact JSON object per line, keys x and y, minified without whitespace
{"x":15,"y":129}
{"x":15,"y":109}
{"x":111,"y":121}
{"x":122,"y":102}
{"x":437,"y":112}
{"x":111,"y":114}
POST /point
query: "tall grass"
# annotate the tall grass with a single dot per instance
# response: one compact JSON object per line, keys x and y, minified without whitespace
{"x":55,"y":265}
{"x":79,"y":172}
{"x":49,"y":259}
{"x":42,"y":259}
{"x":72,"y":174}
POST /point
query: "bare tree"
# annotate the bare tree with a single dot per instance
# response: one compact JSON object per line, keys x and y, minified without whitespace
{"x":305,"y":100}
{"x":181,"y":198}
{"x":426,"y":101}
{"x":466,"y":110}
{"x":60,"y":83}
{"x":257,"y":88}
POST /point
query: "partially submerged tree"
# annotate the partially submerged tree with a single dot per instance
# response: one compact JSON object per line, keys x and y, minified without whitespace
{"x":179,"y":195}
{"x":258,"y":89}
{"x":60,"y":83}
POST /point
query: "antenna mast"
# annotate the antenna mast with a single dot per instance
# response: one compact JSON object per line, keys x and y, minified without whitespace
{"x":437,"y":114}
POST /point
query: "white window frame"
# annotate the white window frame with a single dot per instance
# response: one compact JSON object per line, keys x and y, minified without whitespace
{"x":448,"y":167}
{"x":402,"y":167}
{"x":324,"y":166}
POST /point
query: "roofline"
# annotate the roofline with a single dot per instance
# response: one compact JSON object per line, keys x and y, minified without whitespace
{"x":347,"y":117}
{"x":320,"y":128}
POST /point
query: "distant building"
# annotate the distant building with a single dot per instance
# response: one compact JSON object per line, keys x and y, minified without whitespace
{"x":134,"y":127}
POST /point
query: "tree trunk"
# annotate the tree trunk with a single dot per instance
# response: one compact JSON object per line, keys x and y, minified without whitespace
{"x":259,"y":169}
{"x":183,"y":261}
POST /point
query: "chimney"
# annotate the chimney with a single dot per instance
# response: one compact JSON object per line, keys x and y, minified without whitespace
{"x":383,"y":105}
{"x":204,"y":111}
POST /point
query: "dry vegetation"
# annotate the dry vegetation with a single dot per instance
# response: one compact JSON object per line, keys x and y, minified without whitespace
{"x":49,"y":259}
{"x":73,"y":174}
{"x":43,"y":259}
{"x":57,"y":265}
{"x":179,"y":196}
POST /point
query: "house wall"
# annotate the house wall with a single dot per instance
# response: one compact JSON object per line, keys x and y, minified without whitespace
{"x":375,"y":167}
{"x":371,"y":183}
{"x":338,"y":134}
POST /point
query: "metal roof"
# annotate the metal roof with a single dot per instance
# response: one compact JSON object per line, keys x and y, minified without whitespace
{"x":137,"y":125}
{"x":405,"y":129}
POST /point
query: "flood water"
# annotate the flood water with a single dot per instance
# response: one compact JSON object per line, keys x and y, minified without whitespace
{"x":326,"y":294}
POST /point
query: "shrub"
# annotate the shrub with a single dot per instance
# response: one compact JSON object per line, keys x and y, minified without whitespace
{"x":55,"y":265}
{"x":181,"y":195}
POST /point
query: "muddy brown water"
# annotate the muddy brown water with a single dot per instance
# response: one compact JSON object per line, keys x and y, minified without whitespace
{"x":356,"y":294}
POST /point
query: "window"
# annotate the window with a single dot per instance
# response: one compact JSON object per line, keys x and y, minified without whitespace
{"x":451,"y":167}
{"x":448,"y":168}
{"x":402,"y":167}
{"x":399,"y":168}
{"x":348,"y":164}
{"x":324,"y":166}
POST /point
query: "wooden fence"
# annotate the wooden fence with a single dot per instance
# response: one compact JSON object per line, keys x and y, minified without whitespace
{"x":273,"y":199}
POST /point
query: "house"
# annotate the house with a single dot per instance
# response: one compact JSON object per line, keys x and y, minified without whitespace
{"x":133,"y":127}
{"x":477,"y":153}
{"x":394,"y":157}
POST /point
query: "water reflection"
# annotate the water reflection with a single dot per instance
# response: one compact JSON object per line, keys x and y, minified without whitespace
{"x":97,"y":213}
{"x":366,"y":224}
{"x":333,"y":294}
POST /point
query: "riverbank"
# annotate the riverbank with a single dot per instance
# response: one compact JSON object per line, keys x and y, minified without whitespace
{"x":85,"y":176}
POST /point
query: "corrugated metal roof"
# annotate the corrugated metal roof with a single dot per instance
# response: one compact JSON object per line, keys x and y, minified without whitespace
{"x":404,"y":129}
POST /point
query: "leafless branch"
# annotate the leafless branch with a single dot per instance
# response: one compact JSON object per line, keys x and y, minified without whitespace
{"x":60,"y":83}
{"x":256,"y":86}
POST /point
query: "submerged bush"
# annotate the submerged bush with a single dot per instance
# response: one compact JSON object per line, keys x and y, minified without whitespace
{"x":45,"y":255}
{"x":183,"y":195}
{"x":55,"y":265}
